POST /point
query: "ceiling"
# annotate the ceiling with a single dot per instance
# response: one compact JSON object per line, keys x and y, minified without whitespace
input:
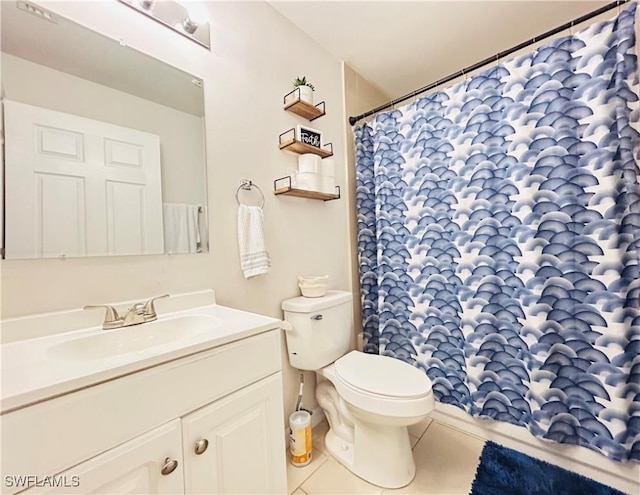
{"x":402,"y":46}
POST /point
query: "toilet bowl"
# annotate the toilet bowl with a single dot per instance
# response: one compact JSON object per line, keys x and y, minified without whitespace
{"x":369,"y":400}
{"x":375,"y":412}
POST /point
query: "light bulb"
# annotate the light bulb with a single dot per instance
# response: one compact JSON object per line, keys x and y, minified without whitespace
{"x":189,"y":25}
{"x":147,"y":4}
{"x":197,"y":14}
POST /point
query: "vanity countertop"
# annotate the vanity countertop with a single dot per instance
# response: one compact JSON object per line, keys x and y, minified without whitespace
{"x":35,"y":369}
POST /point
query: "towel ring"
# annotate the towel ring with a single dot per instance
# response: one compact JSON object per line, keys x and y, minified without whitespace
{"x":246,"y":185}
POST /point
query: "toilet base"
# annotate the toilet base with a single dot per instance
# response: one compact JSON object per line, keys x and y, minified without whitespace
{"x":379,"y":454}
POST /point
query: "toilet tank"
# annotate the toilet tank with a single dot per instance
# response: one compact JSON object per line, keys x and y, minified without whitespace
{"x":321,"y":329}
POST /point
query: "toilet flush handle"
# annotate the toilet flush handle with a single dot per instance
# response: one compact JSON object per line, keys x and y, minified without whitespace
{"x":316,"y":317}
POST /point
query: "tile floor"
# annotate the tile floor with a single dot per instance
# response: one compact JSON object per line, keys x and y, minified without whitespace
{"x":446,"y":461}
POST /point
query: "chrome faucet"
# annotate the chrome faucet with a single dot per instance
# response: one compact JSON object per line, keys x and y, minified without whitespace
{"x":137,"y":314}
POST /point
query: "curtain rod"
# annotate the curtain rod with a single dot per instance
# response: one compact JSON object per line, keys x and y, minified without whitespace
{"x":487,"y":61}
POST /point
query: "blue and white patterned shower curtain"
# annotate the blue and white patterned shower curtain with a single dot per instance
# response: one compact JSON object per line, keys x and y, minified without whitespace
{"x":499,"y":240}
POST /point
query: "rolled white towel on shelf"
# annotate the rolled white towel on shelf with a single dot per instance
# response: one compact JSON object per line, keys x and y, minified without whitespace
{"x":254,"y":258}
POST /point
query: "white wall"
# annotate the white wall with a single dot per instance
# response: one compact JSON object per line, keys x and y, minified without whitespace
{"x":255,"y":55}
{"x":181,"y":134}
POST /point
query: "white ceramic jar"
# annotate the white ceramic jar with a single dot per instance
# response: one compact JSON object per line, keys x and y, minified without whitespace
{"x":306,"y":94}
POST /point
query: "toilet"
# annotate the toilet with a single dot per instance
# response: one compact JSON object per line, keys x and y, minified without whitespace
{"x":369,"y":400}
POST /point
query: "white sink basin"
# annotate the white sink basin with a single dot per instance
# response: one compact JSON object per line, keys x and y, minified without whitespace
{"x":52,"y":354}
{"x":138,"y":339}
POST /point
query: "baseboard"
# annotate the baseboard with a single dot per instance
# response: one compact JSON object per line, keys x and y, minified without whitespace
{"x":623,"y":476}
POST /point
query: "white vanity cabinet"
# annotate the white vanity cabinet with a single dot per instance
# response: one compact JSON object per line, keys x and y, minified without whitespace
{"x":229,"y":445}
{"x":151,"y":463}
{"x":138,"y":433}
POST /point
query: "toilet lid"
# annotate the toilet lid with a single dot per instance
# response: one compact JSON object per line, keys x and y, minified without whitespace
{"x":382,"y":375}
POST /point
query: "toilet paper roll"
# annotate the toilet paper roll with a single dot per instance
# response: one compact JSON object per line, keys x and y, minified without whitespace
{"x":308,"y":181}
{"x":328,"y":184}
{"x":328,"y":167}
{"x":308,"y":162}
{"x":294,"y":176}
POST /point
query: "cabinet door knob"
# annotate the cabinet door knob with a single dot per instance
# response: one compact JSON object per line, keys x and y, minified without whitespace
{"x":201,"y":446}
{"x":169,"y":467}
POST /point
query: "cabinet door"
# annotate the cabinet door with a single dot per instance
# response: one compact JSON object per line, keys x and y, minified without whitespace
{"x":132,"y":467}
{"x":243,"y":434}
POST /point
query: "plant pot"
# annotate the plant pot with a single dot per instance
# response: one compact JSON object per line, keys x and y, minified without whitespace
{"x":306,"y":94}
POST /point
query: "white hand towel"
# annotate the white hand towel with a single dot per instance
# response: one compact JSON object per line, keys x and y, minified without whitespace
{"x":254,"y":258}
{"x":204,"y":229}
{"x":181,"y":234}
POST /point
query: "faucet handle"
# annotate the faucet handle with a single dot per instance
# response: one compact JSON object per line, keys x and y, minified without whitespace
{"x":149,"y":308}
{"x":137,"y":308}
{"x":111,"y":317}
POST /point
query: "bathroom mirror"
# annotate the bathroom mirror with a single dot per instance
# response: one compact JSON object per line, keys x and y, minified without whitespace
{"x":104,"y":146}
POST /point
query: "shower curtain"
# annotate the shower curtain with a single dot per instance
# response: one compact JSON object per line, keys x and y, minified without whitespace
{"x":498,"y":238}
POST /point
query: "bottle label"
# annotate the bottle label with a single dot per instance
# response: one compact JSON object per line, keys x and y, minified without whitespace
{"x":300,"y":445}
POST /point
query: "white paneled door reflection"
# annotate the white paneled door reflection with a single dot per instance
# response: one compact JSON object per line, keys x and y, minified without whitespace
{"x":79,"y":187}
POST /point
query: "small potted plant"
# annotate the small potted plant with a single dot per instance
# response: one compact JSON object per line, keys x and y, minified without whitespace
{"x":306,"y":89}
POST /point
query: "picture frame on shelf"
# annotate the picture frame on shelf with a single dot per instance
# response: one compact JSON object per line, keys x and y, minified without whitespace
{"x":308,"y":135}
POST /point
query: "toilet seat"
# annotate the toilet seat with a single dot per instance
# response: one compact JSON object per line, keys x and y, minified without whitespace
{"x":382,"y":385}
{"x":382,"y":376}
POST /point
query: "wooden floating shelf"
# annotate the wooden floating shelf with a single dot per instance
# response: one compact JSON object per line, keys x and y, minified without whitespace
{"x":300,"y":147}
{"x":303,"y":193}
{"x":305,"y":110}
{"x":288,"y":190}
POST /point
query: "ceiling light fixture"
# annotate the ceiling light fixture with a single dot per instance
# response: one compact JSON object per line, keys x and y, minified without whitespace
{"x":190,"y":23}
{"x":37,"y":11}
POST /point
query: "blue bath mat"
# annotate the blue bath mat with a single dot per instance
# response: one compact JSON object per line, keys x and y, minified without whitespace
{"x":504,"y":471}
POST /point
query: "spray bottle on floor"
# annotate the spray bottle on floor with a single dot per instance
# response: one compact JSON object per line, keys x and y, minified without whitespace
{"x":300,"y":444}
